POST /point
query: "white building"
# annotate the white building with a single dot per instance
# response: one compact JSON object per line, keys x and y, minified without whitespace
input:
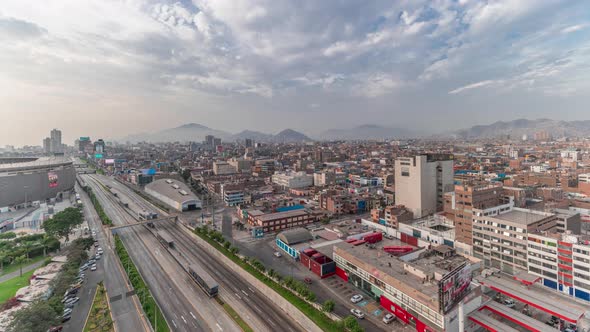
{"x":421,"y":181}
{"x":293,"y":180}
{"x":223,"y":168}
{"x":584,"y":178}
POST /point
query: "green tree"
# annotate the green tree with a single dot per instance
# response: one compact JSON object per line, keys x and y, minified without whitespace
{"x":27,"y":246}
{"x":38,"y":317}
{"x":350,"y":322}
{"x":328,"y":306}
{"x":62,"y":223}
{"x":3,"y":256}
{"x":20,"y":260}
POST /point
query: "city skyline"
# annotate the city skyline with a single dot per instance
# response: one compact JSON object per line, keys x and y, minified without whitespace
{"x":144,"y":65}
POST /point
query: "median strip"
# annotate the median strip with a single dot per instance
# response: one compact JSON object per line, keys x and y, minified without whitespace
{"x":150,"y":307}
{"x":99,"y":317}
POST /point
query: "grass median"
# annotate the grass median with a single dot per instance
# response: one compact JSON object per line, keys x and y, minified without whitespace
{"x":317,"y":316}
{"x":148,"y":303}
{"x":9,"y":287}
{"x":98,"y":207}
{"x":99,"y":317}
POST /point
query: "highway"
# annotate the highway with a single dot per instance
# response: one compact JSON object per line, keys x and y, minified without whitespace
{"x":126,"y":310}
{"x":180,"y":300}
{"x":258,"y":309}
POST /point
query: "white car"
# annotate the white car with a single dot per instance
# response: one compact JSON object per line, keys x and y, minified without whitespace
{"x":387,"y":319}
{"x":93,"y":268}
{"x":509,"y":303}
{"x":357,"y":313}
{"x":356,"y":298}
{"x":278,"y":254}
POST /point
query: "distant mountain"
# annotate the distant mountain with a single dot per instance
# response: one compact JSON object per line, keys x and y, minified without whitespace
{"x":290,"y":136}
{"x":518,"y":128}
{"x":251,"y":134}
{"x":191,"y":132}
{"x":366,"y":132}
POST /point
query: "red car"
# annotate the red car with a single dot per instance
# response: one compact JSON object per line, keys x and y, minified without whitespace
{"x":55,"y":329}
{"x":307,"y":281}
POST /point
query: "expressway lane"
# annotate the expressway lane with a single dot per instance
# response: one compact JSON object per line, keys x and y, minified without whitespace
{"x":262,"y":311}
{"x":172,"y":300}
{"x":273,"y":317}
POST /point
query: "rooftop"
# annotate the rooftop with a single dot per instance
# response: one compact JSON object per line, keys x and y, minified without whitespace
{"x":43,"y":162}
{"x":172,"y":189}
{"x":523,"y":217}
{"x":282,"y":215}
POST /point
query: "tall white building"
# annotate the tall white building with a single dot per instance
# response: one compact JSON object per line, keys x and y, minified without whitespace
{"x":293,"y":179}
{"x":55,"y":143}
{"x":421,"y":181}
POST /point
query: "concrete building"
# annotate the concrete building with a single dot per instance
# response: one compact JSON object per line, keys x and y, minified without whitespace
{"x":421,"y":181}
{"x":501,"y":240}
{"x":174,"y":194}
{"x":27,"y":180}
{"x":99,"y":146}
{"x":223,"y":168}
{"x":233,"y":197}
{"x":459,"y":205}
{"x":421,"y":288}
{"x":293,"y":179}
{"x":328,"y":178}
{"x":568,"y":220}
{"x":269,"y":222}
{"x":56,"y":145}
{"x":240,"y":164}
{"x":47,"y":145}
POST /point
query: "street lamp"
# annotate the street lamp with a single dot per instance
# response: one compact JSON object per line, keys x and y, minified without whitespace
{"x":25,"y":190}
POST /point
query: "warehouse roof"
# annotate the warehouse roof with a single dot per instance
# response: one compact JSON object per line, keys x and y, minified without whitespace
{"x":172,"y":189}
{"x":27,"y":164}
{"x":295,"y":235}
{"x":523,"y":217}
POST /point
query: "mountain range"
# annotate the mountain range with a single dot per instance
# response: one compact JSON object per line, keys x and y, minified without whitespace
{"x":194,"y":132}
{"x":518,"y":128}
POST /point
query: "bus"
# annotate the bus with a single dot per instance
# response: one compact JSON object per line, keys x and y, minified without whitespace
{"x":204,"y":280}
{"x":165,"y":239}
{"x":147,"y":215}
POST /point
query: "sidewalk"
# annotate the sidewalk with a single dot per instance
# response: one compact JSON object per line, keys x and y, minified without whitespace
{"x":25,"y":269}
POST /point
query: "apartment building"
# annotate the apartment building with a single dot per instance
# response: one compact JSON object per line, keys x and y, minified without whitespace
{"x":223,"y":168}
{"x":421,"y":181}
{"x":459,"y":205}
{"x":277,"y":221}
{"x":501,"y":240}
{"x":293,"y":179}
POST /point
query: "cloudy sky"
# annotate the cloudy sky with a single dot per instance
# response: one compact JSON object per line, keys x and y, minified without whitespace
{"x":108,"y":68}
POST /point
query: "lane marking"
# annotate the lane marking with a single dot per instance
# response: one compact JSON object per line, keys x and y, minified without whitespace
{"x":174,"y":324}
{"x":244,"y":292}
{"x":238,"y":296}
{"x":220,"y":329}
{"x":184,"y":320}
{"x":193,"y":315}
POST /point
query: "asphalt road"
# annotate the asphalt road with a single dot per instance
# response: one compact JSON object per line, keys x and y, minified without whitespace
{"x":229,"y":280}
{"x":256,"y":304}
{"x":125,"y":312}
{"x":181,"y":303}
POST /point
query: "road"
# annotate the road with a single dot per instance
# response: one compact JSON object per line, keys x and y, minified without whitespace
{"x":182,"y":303}
{"x":126,"y":311}
{"x":257,"y":308}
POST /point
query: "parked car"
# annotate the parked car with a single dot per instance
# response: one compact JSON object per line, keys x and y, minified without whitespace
{"x":66,"y":318}
{"x":388,"y":236}
{"x":93,"y":268}
{"x":509,"y":303}
{"x":67,"y":311}
{"x":73,"y":299}
{"x":357,"y":313}
{"x":278,"y":254}
{"x":387,"y":319}
{"x":97,"y":256}
{"x":356,"y":298}
{"x":55,"y":329}
{"x":307,"y":280}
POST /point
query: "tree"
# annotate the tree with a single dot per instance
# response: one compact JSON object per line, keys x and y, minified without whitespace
{"x":20,"y":260}
{"x":28,"y":246}
{"x":38,"y":317}
{"x":328,"y":306}
{"x":3,"y":256}
{"x":350,"y":322}
{"x":62,"y":223}
{"x":186,"y":174}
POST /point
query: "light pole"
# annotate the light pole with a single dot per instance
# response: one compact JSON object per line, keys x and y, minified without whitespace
{"x":25,"y":190}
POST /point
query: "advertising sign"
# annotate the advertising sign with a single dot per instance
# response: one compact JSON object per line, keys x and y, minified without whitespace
{"x":98,"y":156}
{"x":84,"y":138}
{"x":52,"y":179}
{"x":109,"y":161}
{"x":454,"y":286}
{"x":148,"y":171}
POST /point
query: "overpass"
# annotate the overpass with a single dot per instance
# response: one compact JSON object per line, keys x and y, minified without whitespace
{"x":145,"y":222}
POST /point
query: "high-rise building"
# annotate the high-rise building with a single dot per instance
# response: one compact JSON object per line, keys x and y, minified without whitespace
{"x":421,"y":181}
{"x":83,"y":142}
{"x":99,"y":146}
{"x":47,"y":145}
{"x":249,"y":142}
{"x":55,"y":145}
{"x":459,"y":205}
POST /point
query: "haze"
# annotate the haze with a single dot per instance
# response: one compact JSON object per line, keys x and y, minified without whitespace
{"x":109,"y":68}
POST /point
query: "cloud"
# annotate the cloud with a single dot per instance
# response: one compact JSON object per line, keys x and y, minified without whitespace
{"x":472,"y":86}
{"x":574,"y":28}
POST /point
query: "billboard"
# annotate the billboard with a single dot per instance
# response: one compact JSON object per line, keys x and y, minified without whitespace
{"x":454,"y":286}
{"x":109,"y":161}
{"x":98,"y":156}
{"x":84,"y":138}
{"x":148,"y":171}
{"x":52,"y":177}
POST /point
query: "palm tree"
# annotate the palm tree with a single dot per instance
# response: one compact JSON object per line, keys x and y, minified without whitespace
{"x":28,"y":246}
{"x":3,"y":256}
{"x":20,"y":260}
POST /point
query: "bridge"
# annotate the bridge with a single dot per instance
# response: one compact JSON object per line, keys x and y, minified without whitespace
{"x":145,"y":222}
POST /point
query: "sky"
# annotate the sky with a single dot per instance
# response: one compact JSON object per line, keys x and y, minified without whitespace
{"x":104,"y":68}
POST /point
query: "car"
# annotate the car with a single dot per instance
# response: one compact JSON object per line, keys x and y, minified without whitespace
{"x":67,"y":311}
{"x":66,"y":318}
{"x":388,"y":236}
{"x":93,"y":268}
{"x":73,"y":299}
{"x":55,"y":328}
{"x":92,"y":261}
{"x":278,"y":254}
{"x":509,"y":303}
{"x":356,"y":298}
{"x":83,"y":268}
{"x":96,"y":244}
{"x":307,"y":280}
{"x":357,"y":313}
{"x":569,"y":329}
{"x":387,"y":319}
{"x":69,"y":305}
{"x":97,"y":257}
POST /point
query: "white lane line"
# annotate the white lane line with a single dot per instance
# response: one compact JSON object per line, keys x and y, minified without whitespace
{"x":238,"y":296}
{"x":251,"y":289}
{"x":174,"y":324}
{"x":257,"y":309}
{"x":244,"y":292}
{"x":271,"y":323}
{"x":184,"y":320}
{"x":220,"y":329}
{"x":193,"y":315}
